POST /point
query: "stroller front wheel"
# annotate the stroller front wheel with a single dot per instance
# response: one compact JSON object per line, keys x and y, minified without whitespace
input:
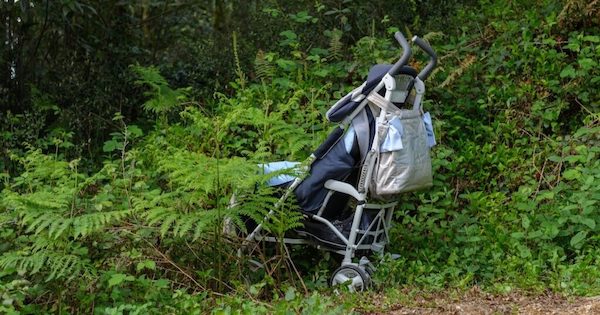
{"x":353,"y":277}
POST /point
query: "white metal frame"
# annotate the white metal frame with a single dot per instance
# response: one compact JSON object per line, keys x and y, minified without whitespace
{"x":357,"y":239}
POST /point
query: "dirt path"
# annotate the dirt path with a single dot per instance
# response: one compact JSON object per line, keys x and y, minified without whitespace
{"x":477,"y":302}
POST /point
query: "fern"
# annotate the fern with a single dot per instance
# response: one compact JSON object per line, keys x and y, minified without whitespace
{"x":264,"y":68}
{"x":241,"y":77}
{"x":196,"y":199}
{"x":297,"y":141}
{"x":431,"y":36}
{"x":44,"y":256}
{"x":87,"y":224}
{"x":579,"y":11}
{"x":54,"y":213}
{"x":162,"y":97}
{"x":285,"y":218}
{"x":49,"y":200}
{"x":200,"y":223}
{"x":181,"y":223}
{"x":464,"y":65}
{"x":335,"y":44}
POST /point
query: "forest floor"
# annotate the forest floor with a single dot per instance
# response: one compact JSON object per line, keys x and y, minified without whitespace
{"x":478,"y":302}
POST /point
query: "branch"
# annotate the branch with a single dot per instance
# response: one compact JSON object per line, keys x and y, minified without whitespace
{"x":39,"y":39}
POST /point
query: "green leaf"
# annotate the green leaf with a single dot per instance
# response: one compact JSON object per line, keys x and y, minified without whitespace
{"x":587,"y":64}
{"x":135,"y":131}
{"x":547,"y":195}
{"x":162,"y":283}
{"x":301,"y":17}
{"x":289,"y":35}
{"x":524,"y":252}
{"x":589,"y":222}
{"x":525,"y":222}
{"x":571,"y":174}
{"x":555,"y":158}
{"x":517,"y":235}
{"x":551,"y":230}
{"x":535,"y":234}
{"x":290,"y":294}
{"x":255,"y":289}
{"x":109,"y":146}
{"x":576,"y":240}
{"x":586,"y":131}
{"x":568,"y":71}
{"x":285,"y":64}
{"x":146,"y":264}
{"x":116,"y":279}
{"x":322,"y":73}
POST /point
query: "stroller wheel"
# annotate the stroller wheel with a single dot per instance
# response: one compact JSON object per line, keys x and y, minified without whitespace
{"x":253,"y":273}
{"x":354,"y":277}
{"x":255,"y":265}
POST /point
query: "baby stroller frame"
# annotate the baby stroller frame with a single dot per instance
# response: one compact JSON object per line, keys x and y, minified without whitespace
{"x":375,"y":237}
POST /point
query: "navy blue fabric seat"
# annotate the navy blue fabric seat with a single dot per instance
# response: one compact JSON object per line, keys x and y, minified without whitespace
{"x":335,"y":161}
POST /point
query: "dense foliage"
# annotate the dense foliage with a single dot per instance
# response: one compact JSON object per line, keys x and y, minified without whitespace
{"x":119,"y":160}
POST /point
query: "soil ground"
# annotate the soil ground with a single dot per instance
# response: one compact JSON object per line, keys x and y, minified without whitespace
{"x":478,"y":302}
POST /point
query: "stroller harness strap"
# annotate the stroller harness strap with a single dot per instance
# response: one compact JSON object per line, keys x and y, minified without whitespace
{"x":362,"y":131}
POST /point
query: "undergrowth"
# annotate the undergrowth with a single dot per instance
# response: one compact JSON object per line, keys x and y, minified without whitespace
{"x":515,"y":202}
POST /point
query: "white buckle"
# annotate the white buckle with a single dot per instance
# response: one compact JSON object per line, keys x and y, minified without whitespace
{"x":390,"y":82}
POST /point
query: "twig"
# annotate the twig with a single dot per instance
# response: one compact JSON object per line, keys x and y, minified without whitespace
{"x":289,"y":258}
{"x":165,"y":257}
{"x":539,"y":134}
{"x":192,"y":251}
{"x":39,"y":39}
{"x":582,"y":106}
{"x":542,"y":178}
{"x":559,"y":167}
{"x":457,"y":188}
{"x":172,"y":263}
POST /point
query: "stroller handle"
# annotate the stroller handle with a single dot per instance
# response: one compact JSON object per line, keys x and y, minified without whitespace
{"x":432,"y":57}
{"x":406,"y":52}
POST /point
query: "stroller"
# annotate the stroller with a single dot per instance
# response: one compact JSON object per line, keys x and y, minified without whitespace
{"x":342,"y":213}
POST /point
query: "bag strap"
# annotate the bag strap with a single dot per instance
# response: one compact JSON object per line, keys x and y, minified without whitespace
{"x":381,"y":102}
{"x":389,"y":107}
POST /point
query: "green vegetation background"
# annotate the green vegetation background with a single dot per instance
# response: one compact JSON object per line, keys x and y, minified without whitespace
{"x":126,"y":125}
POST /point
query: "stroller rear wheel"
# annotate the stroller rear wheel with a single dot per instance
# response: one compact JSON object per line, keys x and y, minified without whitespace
{"x":354,"y":277}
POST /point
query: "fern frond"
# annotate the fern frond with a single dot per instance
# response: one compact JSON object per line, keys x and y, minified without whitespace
{"x":59,"y":227}
{"x":577,"y":11}
{"x":241,"y":77}
{"x":6,"y":218}
{"x":265,"y":70}
{"x":40,"y":223}
{"x":180,"y":224}
{"x":431,"y":36}
{"x":297,"y":139}
{"x":55,"y":224}
{"x":183,"y":228}
{"x":335,"y":45}
{"x":54,"y":264}
{"x":162,"y":97}
{"x":464,"y":65}
{"x":87,"y":224}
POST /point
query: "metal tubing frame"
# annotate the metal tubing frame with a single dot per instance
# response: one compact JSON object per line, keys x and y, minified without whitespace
{"x":351,"y":242}
{"x":384,"y":216}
